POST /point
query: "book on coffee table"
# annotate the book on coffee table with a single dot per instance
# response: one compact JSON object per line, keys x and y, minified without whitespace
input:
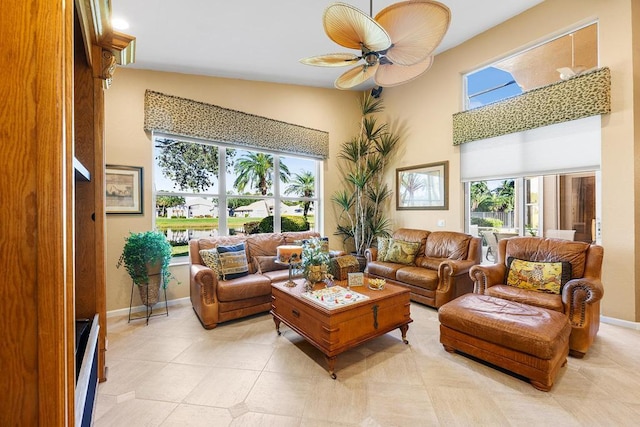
{"x":334,"y":297}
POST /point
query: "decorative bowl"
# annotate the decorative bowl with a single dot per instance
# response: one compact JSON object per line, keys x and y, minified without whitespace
{"x":377,"y":284}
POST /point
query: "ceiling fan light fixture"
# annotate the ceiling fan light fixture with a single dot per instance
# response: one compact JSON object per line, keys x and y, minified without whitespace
{"x":331,"y":60}
{"x":355,"y":76}
{"x":397,"y":46}
{"x":416,"y":28}
{"x":351,"y":28}
{"x":388,"y":76}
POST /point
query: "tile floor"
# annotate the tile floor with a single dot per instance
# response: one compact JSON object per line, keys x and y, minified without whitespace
{"x":175,"y":373}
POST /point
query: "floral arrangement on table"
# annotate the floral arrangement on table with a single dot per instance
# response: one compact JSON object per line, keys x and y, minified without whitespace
{"x":315,"y":259}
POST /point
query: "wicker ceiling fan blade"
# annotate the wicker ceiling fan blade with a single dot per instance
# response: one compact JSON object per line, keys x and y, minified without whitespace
{"x":355,"y":76}
{"x":416,"y":28}
{"x":394,"y":74}
{"x":331,"y":60}
{"x":350,"y":27}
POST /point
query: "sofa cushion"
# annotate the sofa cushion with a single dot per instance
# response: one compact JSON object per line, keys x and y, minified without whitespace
{"x":233,"y":261}
{"x":431,"y":263}
{"x":211,"y":259}
{"x":248,"y":286}
{"x":383,"y":247}
{"x":418,"y":276}
{"x":550,"y":250}
{"x":383,"y":269}
{"x":282,"y":275}
{"x":267,"y":263}
{"x":538,"y":276}
{"x":264,"y":244}
{"x":402,"y":252}
{"x":447,"y":244}
{"x":290,"y":237}
{"x":539,"y":299}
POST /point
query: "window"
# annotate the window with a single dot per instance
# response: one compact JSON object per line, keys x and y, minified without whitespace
{"x":258,"y":191}
{"x":557,"y":59}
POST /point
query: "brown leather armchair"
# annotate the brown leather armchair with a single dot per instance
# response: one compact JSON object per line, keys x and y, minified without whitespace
{"x":580,"y":297}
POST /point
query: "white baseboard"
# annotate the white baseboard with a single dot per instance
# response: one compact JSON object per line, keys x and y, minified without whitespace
{"x":619,"y":322}
{"x":139,"y":308}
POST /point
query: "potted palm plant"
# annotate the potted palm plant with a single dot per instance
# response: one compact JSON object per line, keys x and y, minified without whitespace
{"x":146,"y":257}
{"x":365,"y":194}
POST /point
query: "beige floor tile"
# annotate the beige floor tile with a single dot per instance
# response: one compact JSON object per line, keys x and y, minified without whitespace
{"x":395,"y":368}
{"x":599,"y":412}
{"x":241,"y":355}
{"x":251,"y":419}
{"x":172,"y":383}
{"x":466,"y":407}
{"x":291,"y":360}
{"x":174,"y":372}
{"x":280,"y":394}
{"x":400,"y":405}
{"x":540,"y":409}
{"x":223,"y":387}
{"x":136,"y":412}
{"x":198,"y":416}
{"x":125,"y":375}
{"x":337,"y":401}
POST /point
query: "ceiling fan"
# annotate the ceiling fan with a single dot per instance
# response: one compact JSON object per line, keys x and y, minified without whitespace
{"x":396,"y":46}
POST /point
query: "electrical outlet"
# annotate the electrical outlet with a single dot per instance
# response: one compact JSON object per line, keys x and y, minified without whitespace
{"x":441,"y":223}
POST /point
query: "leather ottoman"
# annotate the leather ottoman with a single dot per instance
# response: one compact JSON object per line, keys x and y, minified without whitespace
{"x":527,"y":340}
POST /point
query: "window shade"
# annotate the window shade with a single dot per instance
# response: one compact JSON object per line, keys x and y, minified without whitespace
{"x":564,"y":147}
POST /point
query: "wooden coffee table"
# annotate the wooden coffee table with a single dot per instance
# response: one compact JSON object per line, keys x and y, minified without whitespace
{"x":336,"y":330}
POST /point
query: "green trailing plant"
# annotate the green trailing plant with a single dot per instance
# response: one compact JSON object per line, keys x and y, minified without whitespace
{"x":142,"y":249}
{"x":365,"y":194}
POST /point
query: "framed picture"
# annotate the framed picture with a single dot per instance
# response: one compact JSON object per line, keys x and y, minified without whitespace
{"x":123,"y":189}
{"x":423,"y":187}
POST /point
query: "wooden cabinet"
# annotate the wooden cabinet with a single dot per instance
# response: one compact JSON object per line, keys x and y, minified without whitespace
{"x":52,"y":199}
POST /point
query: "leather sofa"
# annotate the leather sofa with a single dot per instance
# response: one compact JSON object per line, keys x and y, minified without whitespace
{"x":214,"y":300}
{"x":440,"y":270}
{"x":579,"y":298}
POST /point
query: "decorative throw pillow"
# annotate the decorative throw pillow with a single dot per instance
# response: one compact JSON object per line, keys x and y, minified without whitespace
{"x":402,"y":252}
{"x":211,"y":259}
{"x":383,"y":247}
{"x":267,"y":263}
{"x":548,"y":277}
{"x":233,"y":261}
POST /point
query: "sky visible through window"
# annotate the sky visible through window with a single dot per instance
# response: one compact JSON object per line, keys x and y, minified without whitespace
{"x":489,"y":85}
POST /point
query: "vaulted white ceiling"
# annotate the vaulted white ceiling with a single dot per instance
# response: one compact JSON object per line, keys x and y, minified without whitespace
{"x":263,"y":40}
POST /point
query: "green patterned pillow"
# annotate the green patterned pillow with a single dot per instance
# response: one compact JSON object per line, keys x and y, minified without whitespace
{"x":211,"y":259}
{"x":548,"y":277}
{"x":402,"y":252}
{"x":383,"y":247}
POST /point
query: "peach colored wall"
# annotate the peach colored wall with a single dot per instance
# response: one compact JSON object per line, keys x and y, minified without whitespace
{"x":427,"y":104}
{"x":423,"y":109}
{"x":127,"y":144}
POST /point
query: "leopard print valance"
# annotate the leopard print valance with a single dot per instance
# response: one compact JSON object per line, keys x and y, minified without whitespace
{"x":185,"y":117}
{"x":585,"y":95}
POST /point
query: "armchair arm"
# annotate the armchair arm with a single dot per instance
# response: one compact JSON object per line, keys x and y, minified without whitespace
{"x":203,"y":279}
{"x":577,"y":294}
{"x":484,"y":276}
{"x":371,"y":254}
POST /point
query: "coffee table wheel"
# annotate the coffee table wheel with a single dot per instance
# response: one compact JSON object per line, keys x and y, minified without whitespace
{"x":333,"y":375}
{"x":406,"y":341}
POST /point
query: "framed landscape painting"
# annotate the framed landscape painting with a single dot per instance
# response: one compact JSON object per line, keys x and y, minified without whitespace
{"x":423,"y":187}
{"x":123,"y":189}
